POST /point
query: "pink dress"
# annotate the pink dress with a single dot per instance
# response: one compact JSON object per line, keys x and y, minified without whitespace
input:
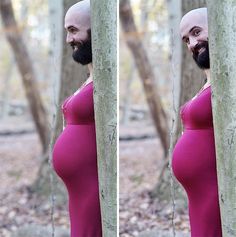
{"x":194,"y":166}
{"x":75,"y":161}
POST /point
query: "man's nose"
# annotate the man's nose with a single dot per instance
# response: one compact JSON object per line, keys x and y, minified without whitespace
{"x":69,"y":38}
{"x":192,"y":43}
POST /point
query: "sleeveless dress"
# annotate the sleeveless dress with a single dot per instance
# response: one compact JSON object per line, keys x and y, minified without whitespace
{"x":75,"y":161}
{"x":194,"y":166}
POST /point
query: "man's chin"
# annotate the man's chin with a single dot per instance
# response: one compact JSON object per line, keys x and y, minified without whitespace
{"x":82,"y":55}
{"x":81,"y":60}
{"x":82,"y":63}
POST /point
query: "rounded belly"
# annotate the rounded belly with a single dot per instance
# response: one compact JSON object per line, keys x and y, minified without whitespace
{"x":75,"y":151}
{"x":194,"y":157}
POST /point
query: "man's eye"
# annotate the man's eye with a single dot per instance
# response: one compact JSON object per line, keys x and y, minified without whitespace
{"x":187,"y":41}
{"x":196,"y":32}
{"x":73,"y":31}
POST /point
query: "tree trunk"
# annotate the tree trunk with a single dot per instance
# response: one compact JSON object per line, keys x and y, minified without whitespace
{"x":146,"y":73}
{"x":127,"y":96}
{"x":72,"y":76}
{"x":24,"y":63}
{"x":222,"y":42}
{"x":192,"y":78}
{"x":55,"y":51}
{"x":104,"y":41}
{"x":174,"y":17}
{"x":6,"y":91}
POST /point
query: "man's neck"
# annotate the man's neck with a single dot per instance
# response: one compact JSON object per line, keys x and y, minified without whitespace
{"x":208,"y":75}
{"x":90,"y":67}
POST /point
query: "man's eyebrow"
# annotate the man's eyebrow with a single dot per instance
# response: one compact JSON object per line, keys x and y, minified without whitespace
{"x":70,"y":27}
{"x":193,"y":28}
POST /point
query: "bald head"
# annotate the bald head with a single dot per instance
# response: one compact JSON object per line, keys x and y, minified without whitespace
{"x":78,"y":27}
{"x":79,"y":15}
{"x":194,"y":32}
{"x":196,"y":17}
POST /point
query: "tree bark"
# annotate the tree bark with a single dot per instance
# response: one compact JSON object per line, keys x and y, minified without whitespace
{"x":192,"y":78}
{"x":146,"y":73}
{"x":6,"y":91}
{"x":174,"y":17}
{"x":72,"y":75}
{"x":104,"y":41}
{"x":25,"y":67}
{"x":222,"y":45}
{"x":127,"y":96}
{"x":55,"y":10}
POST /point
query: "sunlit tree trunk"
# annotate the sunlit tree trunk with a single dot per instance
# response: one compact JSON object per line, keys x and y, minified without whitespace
{"x":104,"y":41}
{"x":174,"y":17}
{"x":6,"y":91}
{"x":191,"y":78}
{"x":55,"y":10}
{"x":222,"y":42}
{"x":72,"y":75}
{"x":25,"y":67}
{"x":127,"y":96}
{"x":190,"y":81}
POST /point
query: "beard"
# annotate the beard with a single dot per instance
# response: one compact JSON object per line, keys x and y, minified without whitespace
{"x":202,"y":59}
{"x":83,"y":54}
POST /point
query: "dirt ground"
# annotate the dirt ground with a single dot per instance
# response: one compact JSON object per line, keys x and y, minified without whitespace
{"x":20,"y":158}
{"x":140,"y":162}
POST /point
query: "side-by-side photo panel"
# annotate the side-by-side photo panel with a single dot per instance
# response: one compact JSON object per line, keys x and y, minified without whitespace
{"x":58,"y":118}
{"x":168,"y":174}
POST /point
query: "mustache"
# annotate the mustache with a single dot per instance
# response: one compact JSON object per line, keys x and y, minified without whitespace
{"x":202,"y":60}
{"x":76,"y":44}
{"x":199,"y":46}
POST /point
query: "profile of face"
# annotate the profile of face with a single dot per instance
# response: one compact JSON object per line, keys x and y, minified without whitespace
{"x":82,"y":52}
{"x":194,"y":32}
{"x":77,"y":25}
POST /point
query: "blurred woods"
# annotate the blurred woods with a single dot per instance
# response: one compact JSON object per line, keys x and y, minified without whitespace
{"x":157,"y":76}
{"x":34,"y":80}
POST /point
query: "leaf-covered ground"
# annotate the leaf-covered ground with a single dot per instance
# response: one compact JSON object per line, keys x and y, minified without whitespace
{"x":140,"y":162}
{"x":20,"y":159}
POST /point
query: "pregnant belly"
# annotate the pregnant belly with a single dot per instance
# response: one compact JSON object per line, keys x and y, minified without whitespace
{"x":75,"y":151}
{"x":194,"y":157}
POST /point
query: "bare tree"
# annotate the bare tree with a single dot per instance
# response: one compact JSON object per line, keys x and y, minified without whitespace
{"x":192,"y":78}
{"x":146,"y":73}
{"x":222,"y":42}
{"x":72,"y":75}
{"x":6,"y":91}
{"x":104,"y":38}
{"x":25,"y":67}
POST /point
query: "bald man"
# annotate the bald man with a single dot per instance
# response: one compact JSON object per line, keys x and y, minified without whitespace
{"x":194,"y":32}
{"x":74,"y":153}
{"x":194,"y":158}
{"x":78,"y":27}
